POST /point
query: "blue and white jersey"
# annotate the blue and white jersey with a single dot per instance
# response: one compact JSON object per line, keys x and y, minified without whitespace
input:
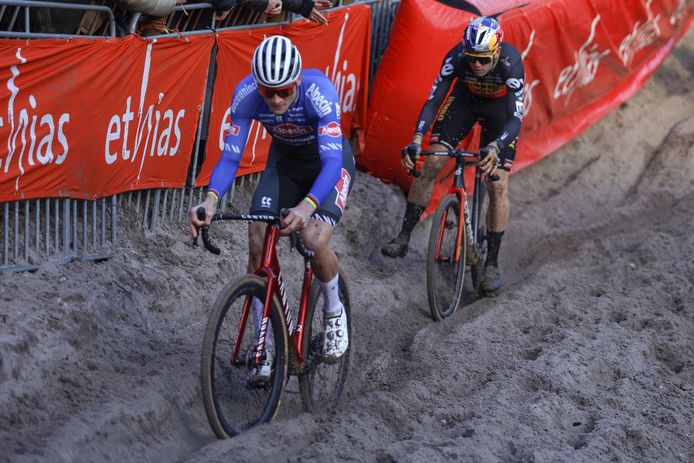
{"x":311,"y":126}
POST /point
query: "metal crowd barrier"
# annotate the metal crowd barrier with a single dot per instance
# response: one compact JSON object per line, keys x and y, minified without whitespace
{"x":56,"y":230}
{"x":59,"y":230}
{"x":10,"y":23}
{"x":382,"y":16}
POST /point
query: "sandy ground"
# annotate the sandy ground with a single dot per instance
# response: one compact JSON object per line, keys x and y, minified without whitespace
{"x":586,"y":355}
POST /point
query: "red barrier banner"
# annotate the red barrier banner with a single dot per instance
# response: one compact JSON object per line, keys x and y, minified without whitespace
{"x":90,"y":118}
{"x":582,"y":59}
{"x":340,"y":50}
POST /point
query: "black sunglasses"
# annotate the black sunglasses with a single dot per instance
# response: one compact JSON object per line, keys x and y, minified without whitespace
{"x":479,"y":59}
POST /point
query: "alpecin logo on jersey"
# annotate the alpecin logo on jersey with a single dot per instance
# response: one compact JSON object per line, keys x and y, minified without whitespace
{"x":291,"y":130}
{"x":333,"y":129}
{"x":322,"y":106}
{"x":342,"y":188}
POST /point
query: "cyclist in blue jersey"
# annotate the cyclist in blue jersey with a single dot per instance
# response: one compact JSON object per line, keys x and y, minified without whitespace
{"x":309,"y":170}
{"x":487,"y":79}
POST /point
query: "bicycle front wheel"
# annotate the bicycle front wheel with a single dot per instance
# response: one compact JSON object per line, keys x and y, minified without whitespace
{"x":234,"y":404}
{"x":446,"y":259}
{"x":320,"y":383}
{"x":480,"y":245}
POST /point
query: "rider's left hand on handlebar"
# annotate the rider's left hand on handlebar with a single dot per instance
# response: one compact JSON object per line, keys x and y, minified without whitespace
{"x":297,"y":219}
{"x":194,"y":224}
{"x":489,"y":158}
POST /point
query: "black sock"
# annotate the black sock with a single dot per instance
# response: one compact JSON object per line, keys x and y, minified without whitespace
{"x":493,"y":245}
{"x":412,"y":214}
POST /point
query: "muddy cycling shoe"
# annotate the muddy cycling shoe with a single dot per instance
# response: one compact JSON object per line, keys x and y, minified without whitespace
{"x":491,"y":281}
{"x":335,"y":335}
{"x":260,"y":375}
{"x":397,"y":247}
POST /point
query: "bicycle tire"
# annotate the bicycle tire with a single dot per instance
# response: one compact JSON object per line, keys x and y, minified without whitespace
{"x":321,"y":384}
{"x":477,"y":270}
{"x":230,"y":404}
{"x":445,"y":276}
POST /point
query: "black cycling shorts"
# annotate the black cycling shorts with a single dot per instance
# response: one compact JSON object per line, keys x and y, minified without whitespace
{"x":458,"y":115}
{"x":289,"y":176}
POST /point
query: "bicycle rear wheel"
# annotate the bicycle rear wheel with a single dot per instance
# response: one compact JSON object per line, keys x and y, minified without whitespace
{"x":320,"y":383}
{"x":445,"y":273}
{"x":231,"y":404}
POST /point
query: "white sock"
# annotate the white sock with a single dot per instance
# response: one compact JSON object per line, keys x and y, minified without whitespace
{"x":331,"y":293}
{"x":257,"y":307}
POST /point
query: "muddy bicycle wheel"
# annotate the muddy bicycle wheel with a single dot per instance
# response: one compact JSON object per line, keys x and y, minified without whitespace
{"x":477,"y":269}
{"x":232,"y":403}
{"x":320,"y":383}
{"x":445,"y":272}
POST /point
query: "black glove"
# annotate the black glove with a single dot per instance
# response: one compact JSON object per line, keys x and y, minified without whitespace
{"x":413,"y":150}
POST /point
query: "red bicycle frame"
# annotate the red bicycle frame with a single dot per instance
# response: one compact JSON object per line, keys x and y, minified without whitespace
{"x":458,"y":189}
{"x":271,"y":271}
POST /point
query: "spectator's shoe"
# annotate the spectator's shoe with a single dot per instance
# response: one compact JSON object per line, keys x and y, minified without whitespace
{"x":491,"y":281}
{"x":260,"y":375}
{"x":397,"y":247}
{"x":335,"y":335}
{"x":153,"y":26}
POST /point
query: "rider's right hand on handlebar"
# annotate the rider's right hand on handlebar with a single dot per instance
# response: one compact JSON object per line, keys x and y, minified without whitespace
{"x":297,"y":218}
{"x":210,"y":205}
{"x":410,"y":154}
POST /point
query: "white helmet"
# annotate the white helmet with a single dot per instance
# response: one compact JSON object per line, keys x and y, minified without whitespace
{"x":276,"y":62}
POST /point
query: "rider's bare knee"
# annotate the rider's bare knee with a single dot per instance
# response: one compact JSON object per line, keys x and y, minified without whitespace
{"x":315,"y":236}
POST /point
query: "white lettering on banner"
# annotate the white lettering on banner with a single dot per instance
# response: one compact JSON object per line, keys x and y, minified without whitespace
{"x":21,"y":123}
{"x":679,"y":12}
{"x":229,"y":127}
{"x":345,"y":82}
{"x":641,"y":36}
{"x":583,"y":71}
{"x":320,"y":104}
{"x":156,"y":141}
{"x":260,"y":134}
{"x":529,"y":84}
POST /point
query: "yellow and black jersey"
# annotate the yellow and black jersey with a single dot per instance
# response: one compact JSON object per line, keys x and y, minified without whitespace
{"x":505,"y":80}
